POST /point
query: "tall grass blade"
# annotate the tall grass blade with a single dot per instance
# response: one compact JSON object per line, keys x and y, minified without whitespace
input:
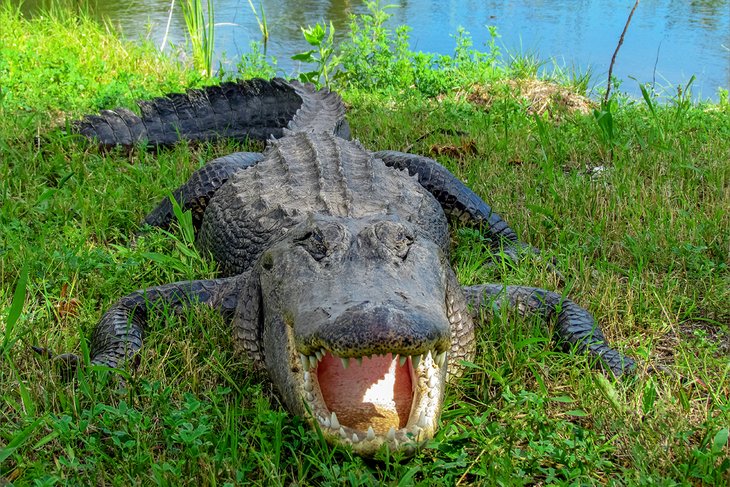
{"x":16,"y":307}
{"x":210,"y":39}
{"x":29,"y":408}
{"x":19,"y":439}
{"x":649,"y":397}
{"x":608,"y":390}
{"x":647,"y":98}
{"x":167,"y":27}
{"x":184,"y":219}
{"x":263,"y":26}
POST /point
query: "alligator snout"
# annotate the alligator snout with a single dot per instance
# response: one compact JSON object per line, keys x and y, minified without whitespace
{"x":379,"y":328}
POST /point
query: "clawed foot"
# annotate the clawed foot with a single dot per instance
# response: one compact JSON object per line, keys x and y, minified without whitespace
{"x":66,"y":363}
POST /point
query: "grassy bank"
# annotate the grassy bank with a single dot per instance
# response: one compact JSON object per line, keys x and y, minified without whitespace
{"x":631,"y":201}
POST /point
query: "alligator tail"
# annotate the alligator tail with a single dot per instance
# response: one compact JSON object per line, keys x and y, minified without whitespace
{"x":246,"y":109}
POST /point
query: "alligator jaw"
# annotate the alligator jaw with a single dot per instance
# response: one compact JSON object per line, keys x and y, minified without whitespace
{"x":425,"y":374}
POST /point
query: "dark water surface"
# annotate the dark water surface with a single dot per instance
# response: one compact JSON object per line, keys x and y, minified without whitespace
{"x":668,"y":41}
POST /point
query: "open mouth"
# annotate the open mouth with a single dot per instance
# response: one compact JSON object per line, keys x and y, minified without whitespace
{"x":369,"y":401}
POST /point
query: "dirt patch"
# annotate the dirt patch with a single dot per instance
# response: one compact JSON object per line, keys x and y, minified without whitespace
{"x":538,"y":96}
{"x":696,"y":334}
{"x":466,"y":148}
{"x":707,"y":334}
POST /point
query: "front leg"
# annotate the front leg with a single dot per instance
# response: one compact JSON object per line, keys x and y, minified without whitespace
{"x":458,"y":201}
{"x":575,"y":326}
{"x":196,"y":193}
{"x":119,"y":334}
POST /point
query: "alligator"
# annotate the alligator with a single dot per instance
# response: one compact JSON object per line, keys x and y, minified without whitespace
{"x":334,"y":260}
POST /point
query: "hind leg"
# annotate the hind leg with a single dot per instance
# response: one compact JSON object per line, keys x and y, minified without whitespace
{"x":458,"y":201}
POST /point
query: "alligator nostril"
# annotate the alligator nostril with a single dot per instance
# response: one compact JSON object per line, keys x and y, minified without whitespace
{"x":267,"y":261}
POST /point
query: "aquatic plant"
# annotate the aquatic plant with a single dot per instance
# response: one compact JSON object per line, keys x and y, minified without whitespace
{"x":201,"y":33}
{"x":261,"y":21}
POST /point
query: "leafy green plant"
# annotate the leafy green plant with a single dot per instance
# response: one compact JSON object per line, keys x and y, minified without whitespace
{"x":255,"y":63}
{"x":321,"y":38}
{"x":653,"y":111}
{"x":435,"y":74}
{"x":374,"y":56}
{"x":605,"y":121}
{"x":188,"y":260}
{"x":723,"y":97}
{"x":682,"y":102}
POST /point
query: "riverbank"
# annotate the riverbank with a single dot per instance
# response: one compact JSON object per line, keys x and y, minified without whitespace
{"x":666,"y":43}
{"x":630,"y":201}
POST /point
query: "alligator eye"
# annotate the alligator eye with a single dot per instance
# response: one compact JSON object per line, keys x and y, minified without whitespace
{"x":313,"y":242}
{"x":398,"y":238}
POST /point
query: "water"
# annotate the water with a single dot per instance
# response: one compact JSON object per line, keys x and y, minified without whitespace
{"x":667,"y":43}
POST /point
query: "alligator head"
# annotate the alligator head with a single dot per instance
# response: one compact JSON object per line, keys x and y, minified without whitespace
{"x":353,"y":316}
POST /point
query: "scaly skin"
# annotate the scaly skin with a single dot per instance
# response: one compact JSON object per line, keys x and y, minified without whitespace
{"x":575,"y":326}
{"x":250,"y":109}
{"x":119,"y":334}
{"x":335,"y":262}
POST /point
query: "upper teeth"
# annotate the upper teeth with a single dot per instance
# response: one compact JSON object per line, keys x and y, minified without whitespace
{"x":437,"y":359}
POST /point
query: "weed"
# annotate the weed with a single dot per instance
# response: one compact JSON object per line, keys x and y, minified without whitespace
{"x":524,"y":65}
{"x":377,"y":58}
{"x":372,"y":58}
{"x":322,"y":56}
{"x":578,"y":80}
{"x":723,"y":96}
{"x":604,"y":120}
{"x":255,"y":63}
{"x":187,"y":261}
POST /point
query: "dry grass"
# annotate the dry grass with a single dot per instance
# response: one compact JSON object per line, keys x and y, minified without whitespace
{"x":535,"y":95}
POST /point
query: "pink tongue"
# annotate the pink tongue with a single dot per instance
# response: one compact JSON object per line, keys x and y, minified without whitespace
{"x":378,"y":393}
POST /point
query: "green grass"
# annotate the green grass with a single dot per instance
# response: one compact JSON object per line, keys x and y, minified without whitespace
{"x":634,"y":209}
